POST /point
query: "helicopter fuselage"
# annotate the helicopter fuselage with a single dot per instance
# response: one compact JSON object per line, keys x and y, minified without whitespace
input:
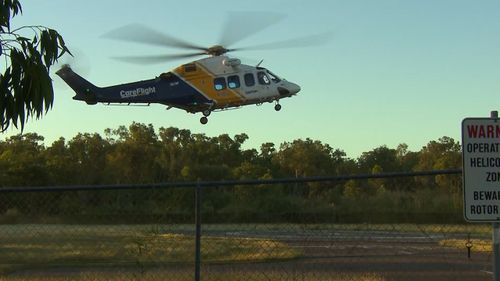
{"x":204,"y":85}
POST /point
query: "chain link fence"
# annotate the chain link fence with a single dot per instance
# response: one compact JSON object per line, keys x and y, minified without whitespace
{"x":244,"y":230}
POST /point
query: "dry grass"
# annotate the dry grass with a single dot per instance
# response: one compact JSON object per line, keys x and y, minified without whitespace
{"x":209,"y":276}
{"x":478,"y":245}
{"x":133,"y":249}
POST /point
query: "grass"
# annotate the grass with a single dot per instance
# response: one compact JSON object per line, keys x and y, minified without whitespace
{"x":76,"y":246}
{"x":208,"y":276}
{"x":8,"y":230}
{"x":479,"y":229}
{"x":146,"y":250}
{"x":477,"y":245}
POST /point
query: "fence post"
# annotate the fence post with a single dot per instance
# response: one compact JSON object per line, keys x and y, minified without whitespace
{"x":496,"y":252}
{"x":197,"y":221}
{"x":496,"y":233}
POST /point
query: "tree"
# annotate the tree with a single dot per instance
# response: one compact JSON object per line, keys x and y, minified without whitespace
{"x":87,"y":158}
{"x":442,"y":154}
{"x":382,"y":156}
{"x":380,"y":159}
{"x":60,"y":168}
{"x":134,"y":158}
{"x":438,"y":155}
{"x":377,"y":184}
{"x":305,"y":158}
{"x":25,"y":85}
{"x":170,"y":157}
{"x":407,"y":161}
{"x":22,"y":161}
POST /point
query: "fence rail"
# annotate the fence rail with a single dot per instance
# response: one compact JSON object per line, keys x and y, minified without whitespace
{"x":231,"y":182}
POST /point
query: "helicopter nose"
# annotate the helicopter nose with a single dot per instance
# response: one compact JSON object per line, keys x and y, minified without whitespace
{"x":294,"y":88}
{"x":289,"y":89}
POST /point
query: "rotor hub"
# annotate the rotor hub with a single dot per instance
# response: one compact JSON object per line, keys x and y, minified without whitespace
{"x":216,"y":50}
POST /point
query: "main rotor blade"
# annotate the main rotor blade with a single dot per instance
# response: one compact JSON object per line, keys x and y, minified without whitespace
{"x":240,"y":25}
{"x":305,"y":41}
{"x":155,"y":59}
{"x":141,"y":34}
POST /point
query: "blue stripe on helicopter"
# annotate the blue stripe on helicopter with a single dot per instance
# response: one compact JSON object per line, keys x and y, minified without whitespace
{"x":167,"y":89}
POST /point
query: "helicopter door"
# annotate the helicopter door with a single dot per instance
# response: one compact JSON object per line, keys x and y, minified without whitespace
{"x":256,"y":89}
{"x":264,"y":84}
{"x":263,"y":79}
{"x":251,"y":92}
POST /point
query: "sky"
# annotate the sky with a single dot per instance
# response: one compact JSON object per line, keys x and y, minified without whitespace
{"x":393,"y":72}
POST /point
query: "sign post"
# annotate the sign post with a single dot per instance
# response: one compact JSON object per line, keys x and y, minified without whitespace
{"x":481,"y":175}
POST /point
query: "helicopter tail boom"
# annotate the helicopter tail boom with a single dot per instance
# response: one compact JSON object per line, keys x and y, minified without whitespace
{"x":137,"y":92}
{"x":85,"y":91}
{"x":167,"y":89}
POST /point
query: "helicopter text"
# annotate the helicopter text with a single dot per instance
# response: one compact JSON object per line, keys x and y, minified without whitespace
{"x":137,"y":92}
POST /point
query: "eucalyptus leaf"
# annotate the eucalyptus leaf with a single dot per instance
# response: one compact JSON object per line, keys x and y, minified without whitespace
{"x":26,"y":87}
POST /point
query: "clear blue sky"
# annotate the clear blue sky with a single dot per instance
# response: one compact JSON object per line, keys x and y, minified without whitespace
{"x":394,"y":71}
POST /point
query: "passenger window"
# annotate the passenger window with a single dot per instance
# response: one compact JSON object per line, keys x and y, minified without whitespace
{"x":249,"y":79}
{"x":263,"y":79}
{"x":220,"y":83}
{"x":233,"y":81}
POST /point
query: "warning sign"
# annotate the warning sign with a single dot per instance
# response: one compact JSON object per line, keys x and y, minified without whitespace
{"x":481,"y":169}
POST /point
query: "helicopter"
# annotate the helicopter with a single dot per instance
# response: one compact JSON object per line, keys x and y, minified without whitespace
{"x":214,"y":83}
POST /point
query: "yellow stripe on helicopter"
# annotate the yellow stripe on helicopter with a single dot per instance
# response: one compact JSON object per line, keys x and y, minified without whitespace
{"x":202,"y":80}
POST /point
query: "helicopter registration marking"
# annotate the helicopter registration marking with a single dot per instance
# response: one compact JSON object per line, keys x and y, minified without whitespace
{"x":139,"y":92}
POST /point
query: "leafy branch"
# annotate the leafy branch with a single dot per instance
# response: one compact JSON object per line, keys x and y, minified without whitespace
{"x":25,"y":85}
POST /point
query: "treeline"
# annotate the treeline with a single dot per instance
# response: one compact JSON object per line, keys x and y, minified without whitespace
{"x":140,"y":154}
